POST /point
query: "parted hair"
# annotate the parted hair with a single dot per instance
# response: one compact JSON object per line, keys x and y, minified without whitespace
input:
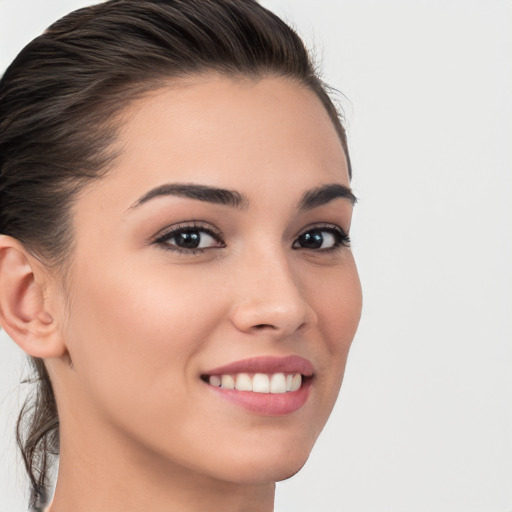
{"x":60,"y":106}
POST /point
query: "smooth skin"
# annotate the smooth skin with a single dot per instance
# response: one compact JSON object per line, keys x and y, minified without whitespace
{"x":138,"y":319}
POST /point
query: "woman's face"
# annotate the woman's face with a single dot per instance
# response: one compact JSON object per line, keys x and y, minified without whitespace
{"x":215,"y":251}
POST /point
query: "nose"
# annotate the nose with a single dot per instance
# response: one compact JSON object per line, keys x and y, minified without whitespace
{"x":270,"y":299}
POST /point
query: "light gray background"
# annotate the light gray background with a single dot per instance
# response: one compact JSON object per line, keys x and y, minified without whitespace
{"x":424,"y":420}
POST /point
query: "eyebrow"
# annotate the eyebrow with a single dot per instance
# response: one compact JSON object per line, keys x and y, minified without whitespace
{"x":311,"y":199}
{"x":199,"y":192}
{"x":325,"y":194}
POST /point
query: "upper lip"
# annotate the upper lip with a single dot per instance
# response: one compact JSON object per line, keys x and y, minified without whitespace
{"x":266,"y":364}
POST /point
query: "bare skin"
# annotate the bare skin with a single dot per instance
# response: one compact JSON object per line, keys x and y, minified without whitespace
{"x":143,"y":318}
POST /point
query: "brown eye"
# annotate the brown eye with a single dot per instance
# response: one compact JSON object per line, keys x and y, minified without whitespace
{"x":322,"y":239}
{"x":189,"y":238}
{"x":311,"y":240}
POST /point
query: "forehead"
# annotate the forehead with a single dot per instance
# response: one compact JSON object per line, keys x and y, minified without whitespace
{"x":230,"y":117}
{"x":229,"y":133}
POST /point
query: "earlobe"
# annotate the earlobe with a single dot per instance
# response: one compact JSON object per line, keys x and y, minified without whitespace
{"x":23,"y":309}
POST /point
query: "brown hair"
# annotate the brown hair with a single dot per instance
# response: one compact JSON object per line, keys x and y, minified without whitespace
{"x":58,"y":105}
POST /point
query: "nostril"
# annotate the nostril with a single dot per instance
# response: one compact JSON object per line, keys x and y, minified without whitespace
{"x":264,"y":326}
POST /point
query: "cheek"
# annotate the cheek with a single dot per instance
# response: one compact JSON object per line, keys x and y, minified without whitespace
{"x":338,"y":304}
{"x":148,"y":307}
{"x":136,"y":332}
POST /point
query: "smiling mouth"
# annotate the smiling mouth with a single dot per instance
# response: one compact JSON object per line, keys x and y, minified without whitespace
{"x":275,"y":383}
{"x":267,"y":386}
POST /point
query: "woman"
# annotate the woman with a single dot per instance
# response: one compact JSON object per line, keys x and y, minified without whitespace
{"x":174,"y":254}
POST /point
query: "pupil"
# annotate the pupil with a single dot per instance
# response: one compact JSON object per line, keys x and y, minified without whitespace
{"x":311,"y":240}
{"x":188,"y":239}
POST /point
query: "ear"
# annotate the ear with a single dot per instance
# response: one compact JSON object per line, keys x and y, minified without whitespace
{"x":24,"y":313}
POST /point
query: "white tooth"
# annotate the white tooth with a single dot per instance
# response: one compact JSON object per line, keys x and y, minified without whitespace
{"x":228,"y":382}
{"x":243,"y":382}
{"x":260,"y":383}
{"x":289,"y":379}
{"x":278,"y":383}
{"x":296,"y":381}
{"x":215,"y":380}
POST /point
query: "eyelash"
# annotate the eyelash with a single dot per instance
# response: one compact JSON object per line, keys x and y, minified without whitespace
{"x":341,"y":238}
{"x":163,"y":239}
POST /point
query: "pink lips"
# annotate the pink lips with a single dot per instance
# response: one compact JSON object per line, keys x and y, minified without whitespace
{"x":289,"y":364}
{"x":266,"y":404}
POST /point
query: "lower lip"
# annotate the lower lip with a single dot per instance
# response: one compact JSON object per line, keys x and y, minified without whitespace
{"x":267,"y":404}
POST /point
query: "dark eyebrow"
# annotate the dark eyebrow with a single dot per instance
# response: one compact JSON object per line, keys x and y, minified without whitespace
{"x":198,"y":192}
{"x":325,"y":194}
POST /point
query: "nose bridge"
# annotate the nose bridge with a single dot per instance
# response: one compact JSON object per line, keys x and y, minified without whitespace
{"x":270,"y":296}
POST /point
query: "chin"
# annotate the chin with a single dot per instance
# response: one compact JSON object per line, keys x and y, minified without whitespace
{"x":275,"y":468}
{"x":265,"y":475}
{"x":291,"y":470}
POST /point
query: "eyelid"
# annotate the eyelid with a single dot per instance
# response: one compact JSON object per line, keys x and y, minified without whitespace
{"x":187,"y":224}
{"x":323,"y":225}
